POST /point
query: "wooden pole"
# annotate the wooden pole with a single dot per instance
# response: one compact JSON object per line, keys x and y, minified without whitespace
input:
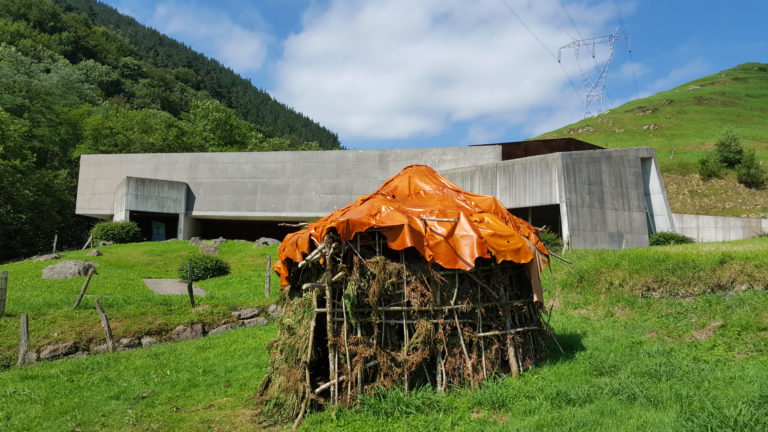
{"x":87,"y":242}
{"x":55,"y":240}
{"x":85,"y":287}
{"x":105,"y":325}
{"x":3,"y":291}
{"x":190,"y":291}
{"x":24,"y":342}
{"x":268,"y":277}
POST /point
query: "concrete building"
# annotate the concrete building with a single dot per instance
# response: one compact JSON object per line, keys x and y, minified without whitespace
{"x":594,"y":197}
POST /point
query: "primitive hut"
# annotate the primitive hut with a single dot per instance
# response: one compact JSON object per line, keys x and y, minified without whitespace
{"x":418,"y":283}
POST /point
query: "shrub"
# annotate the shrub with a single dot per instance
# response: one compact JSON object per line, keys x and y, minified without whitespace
{"x":750,"y":173}
{"x":203,"y":267}
{"x":116,"y":232}
{"x":668,"y":238}
{"x":710,"y":167}
{"x":728,"y":148}
{"x":551,"y":240}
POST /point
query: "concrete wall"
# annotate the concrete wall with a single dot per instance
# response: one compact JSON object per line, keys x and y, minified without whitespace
{"x":266,"y":185}
{"x":717,"y":228}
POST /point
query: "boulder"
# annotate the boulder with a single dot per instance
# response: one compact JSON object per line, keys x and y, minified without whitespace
{"x":95,"y":252}
{"x":100,"y":349}
{"x":105,"y":243}
{"x":265,"y":241}
{"x":31,"y":357}
{"x":218,"y":241}
{"x":129,"y":343}
{"x":148,"y":341}
{"x":256,"y":322}
{"x":68,"y":269}
{"x":248,"y":313}
{"x":225,"y":328}
{"x":209,"y":250}
{"x":194,"y":241}
{"x":183,"y":332}
{"x":57,"y":350}
{"x":49,"y":257}
{"x":275,"y":310}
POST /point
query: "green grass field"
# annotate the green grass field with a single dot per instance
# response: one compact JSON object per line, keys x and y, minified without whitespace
{"x":666,"y":338}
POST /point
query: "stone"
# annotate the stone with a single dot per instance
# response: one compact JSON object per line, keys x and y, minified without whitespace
{"x":218,"y":241}
{"x":105,"y":243}
{"x":194,"y":241}
{"x":275,"y":310}
{"x":31,"y":357}
{"x":619,"y":130}
{"x":265,"y":241}
{"x":95,"y":252}
{"x":202,"y":308}
{"x":652,"y":126}
{"x":68,"y":269}
{"x":256,"y":322}
{"x":694,"y":87}
{"x":209,"y":250}
{"x":244,"y":314}
{"x":148,"y":341}
{"x":100,"y":349}
{"x":79,"y":354}
{"x":49,"y":257}
{"x":129,"y":343}
{"x":57,"y":350}
{"x":183,"y":332}
{"x":225,"y":328}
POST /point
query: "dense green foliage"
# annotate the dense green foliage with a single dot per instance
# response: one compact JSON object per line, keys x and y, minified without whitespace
{"x":710,"y":167}
{"x":116,"y":232}
{"x":728,"y":148}
{"x":85,"y":79}
{"x":668,"y":238}
{"x":673,"y":338}
{"x":551,"y":240}
{"x":749,"y":172}
{"x":203,"y":267}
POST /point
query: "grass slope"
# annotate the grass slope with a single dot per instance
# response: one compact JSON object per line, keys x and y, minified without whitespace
{"x":687,"y":120}
{"x":666,"y":338}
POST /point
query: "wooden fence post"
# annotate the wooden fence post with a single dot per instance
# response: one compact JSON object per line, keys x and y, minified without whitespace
{"x":268,"y":277}
{"x":55,"y":240}
{"x":24,"y":342}
{"x":189,"y":284}
{"x":105,"y":324}
{"x":87,"y":242}
{"x":3,"y":291}
{"x":85,"y":287}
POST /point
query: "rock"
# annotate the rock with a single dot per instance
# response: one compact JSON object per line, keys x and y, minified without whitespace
{"x":31,"y":357}
{"x":129,"y":343}
{"x":68,"y":269}
{"x":148,"y":341}
{"x":57,"y":350}
{"x":202,"y":308}
{"x":265,"y":241}
{"x":275,"y":310}
{"x":79,"y":354}
{"x":105,"y":243}
{"x":619,"y":130}
{"x":183,"y":332}
{"x":100,"y":349}
{"x":668,"y":101}
{"x":95,"y":252}
{"x":244,"y":314}
{"x":218,"y":241}
{"x":49,"y":257}
{"x":256,"y":322}
{"x":209,"y":250}
{"x":652,"y":126}
{"x":225,"y":328}
{"x":694,"y":87}
{"x":194,"y":241}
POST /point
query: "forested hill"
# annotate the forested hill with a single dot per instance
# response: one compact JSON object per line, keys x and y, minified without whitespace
{"x":69,"y":86}
{"x":254,"y":105}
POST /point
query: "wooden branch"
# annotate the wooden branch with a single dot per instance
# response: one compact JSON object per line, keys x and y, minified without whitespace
{"x":313,"y":256}
{"x":268,"y":277}
{"x":505,"y":332}
{"x":85,"y":287}
{"x":479,"y":282}
{"x":190,"y":288}
{"x":400,"y":321}
{"x":293,"y":225}
{"x":340,"y":275}
{"x":330,"y":383}
{"x":105,"y":325}
{"x":311,"y":285}
{"x":24,"y":340}
{"x":87,"y":242}
{"x":560,"y":258}
{"x":3,"y":291}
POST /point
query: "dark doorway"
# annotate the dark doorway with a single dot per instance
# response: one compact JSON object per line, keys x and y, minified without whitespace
{"x":156,"y":226}
{"x":540,"y":216}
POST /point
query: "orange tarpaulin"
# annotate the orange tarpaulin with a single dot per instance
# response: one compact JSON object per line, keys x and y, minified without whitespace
{"x":421,"y":209}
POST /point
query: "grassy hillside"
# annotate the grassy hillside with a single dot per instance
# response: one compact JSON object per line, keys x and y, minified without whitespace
{"x":682,"y":124}
{"x":666,"y":338}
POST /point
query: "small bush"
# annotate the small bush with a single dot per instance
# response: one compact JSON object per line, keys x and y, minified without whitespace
{"x":204,"y":267}
{"x":710,"y":167}
{"x":551,"y":240}
{"x":728,"y":148}
{"x":668,"y":238}
{"x":116,"y":232}
{"x":750,"y":173}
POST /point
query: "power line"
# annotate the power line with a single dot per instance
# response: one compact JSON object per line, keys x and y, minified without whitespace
{"x":629,"y":46}
{"x":573,"y":23}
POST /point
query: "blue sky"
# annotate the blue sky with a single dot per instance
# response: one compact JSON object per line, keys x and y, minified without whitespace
{"x":404,"y":73}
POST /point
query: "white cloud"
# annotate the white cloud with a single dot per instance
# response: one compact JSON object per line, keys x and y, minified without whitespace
{"x":689,"y":71}
{"x":214,"y":33}
{"x":397,"y":68}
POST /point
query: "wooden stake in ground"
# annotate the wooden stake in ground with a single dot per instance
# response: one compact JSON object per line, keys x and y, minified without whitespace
{"x":3,"y":291}
{"x":189,"y":284}
{"x":87,"y":242}
{"x":55,"y":240}
{"x":85,"y":287}
{"x":268,"y":277}
{"x":24,"y":342}
{"x":105,"y":324}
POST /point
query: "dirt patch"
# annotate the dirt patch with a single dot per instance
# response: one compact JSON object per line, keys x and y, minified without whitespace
{"x":708,"y":331}
{"x":689,"y":194}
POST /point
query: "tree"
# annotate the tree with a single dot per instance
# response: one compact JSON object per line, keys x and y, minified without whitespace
{"x":750,"y":173}
{"x":728,"y":148}
{"x":710,"y":167}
